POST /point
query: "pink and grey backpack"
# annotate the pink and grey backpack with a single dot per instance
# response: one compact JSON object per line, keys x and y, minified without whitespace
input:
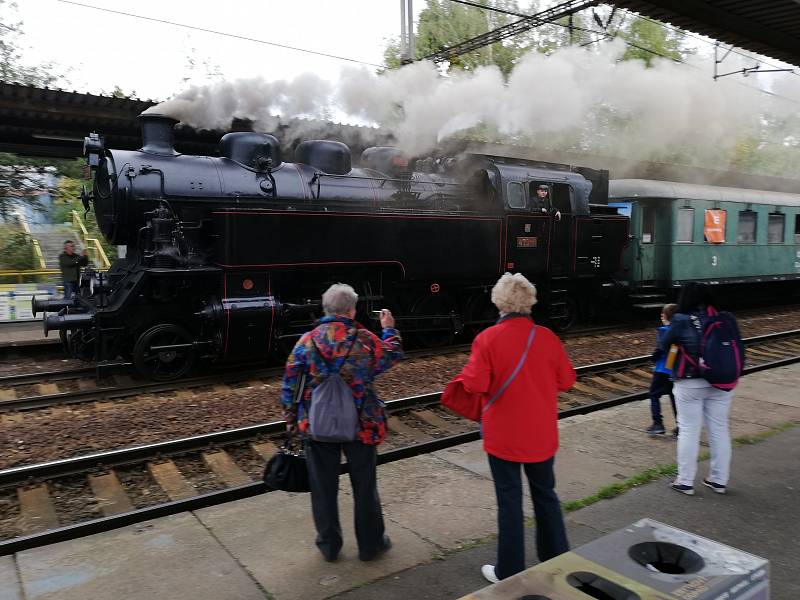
{"x":721,"y":356}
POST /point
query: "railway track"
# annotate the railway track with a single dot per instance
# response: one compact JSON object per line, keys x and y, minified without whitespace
{"x":45,"y":503}
{"x":46,"y":389}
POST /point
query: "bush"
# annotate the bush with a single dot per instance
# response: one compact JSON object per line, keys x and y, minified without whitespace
{"x":16,"y":251}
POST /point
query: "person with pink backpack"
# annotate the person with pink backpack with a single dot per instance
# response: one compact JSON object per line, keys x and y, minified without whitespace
{"x":709,"y":364}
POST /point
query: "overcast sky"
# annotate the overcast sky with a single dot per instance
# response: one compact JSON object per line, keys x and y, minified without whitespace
{"x":98,"y":50}
{"x":104,"y":49}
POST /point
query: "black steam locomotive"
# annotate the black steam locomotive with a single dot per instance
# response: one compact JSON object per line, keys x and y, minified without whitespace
{"x":227,"y":256}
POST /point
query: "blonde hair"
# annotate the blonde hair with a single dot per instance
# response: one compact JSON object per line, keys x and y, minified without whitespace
{"x":514,"y":294}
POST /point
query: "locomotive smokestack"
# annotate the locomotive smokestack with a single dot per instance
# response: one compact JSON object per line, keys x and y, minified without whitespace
{"x":157,"y":136}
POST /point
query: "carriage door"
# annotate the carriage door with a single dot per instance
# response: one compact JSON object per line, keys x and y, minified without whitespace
{"x":562,"y":260}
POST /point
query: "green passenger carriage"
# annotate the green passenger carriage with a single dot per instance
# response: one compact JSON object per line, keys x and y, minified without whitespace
{"x":689,"y":232}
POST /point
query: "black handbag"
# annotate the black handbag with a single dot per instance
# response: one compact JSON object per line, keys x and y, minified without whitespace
{"x":287,"y":469}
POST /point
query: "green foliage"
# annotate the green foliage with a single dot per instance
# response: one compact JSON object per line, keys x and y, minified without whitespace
{"x":67,"y":200}
{"x":649,"y":40}
{"x":443,"y":24}
{"x":24,"y":179}
{"x":16,"y":250}
{"x":11,"y":67}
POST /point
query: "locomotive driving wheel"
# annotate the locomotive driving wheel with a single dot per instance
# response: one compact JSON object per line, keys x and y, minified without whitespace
{"x":164,"y":352}
{"x":562,"y":313}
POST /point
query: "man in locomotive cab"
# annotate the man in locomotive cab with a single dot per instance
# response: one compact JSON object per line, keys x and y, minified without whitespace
{"x":542,"y":202}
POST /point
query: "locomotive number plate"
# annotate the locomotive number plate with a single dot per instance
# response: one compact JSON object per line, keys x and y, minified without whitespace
{"x":527,"y":242}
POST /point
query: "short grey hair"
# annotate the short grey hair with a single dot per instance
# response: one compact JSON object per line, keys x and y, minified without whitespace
{"x":514,"y":294}
{"x":339,"y":299}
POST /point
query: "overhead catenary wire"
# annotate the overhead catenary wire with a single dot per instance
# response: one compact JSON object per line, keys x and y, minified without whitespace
{"x":222,"y":33}
{"x":605,"y":34}
{"x":703,"y":39}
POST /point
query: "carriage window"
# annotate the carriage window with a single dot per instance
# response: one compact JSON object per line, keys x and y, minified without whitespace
{"x":747,"y":227}
{"x":775,"y":227}
{"x":797,"y":229}
{"x":648,"y":224}
{"x":516,"y":195}
{"x":685,"y":225}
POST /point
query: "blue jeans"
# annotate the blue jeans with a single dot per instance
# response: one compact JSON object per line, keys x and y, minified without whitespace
{"x":660,"y":385}
{"x":551,"y":534}
{"x":69,"y":289}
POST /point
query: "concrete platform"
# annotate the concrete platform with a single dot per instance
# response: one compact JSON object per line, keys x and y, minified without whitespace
{"x":440,"y":513}
{"x":25,"y":333}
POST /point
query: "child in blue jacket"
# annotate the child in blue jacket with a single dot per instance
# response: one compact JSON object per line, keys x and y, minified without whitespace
{"x":662,"y":378}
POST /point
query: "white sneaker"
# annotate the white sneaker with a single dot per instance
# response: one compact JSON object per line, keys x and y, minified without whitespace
{"x":488,"y":572}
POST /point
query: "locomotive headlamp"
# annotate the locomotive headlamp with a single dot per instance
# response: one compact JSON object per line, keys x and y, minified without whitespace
{"x":93,"y":148}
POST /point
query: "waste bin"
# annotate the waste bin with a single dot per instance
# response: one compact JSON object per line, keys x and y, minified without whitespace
{"x":647,"y":560}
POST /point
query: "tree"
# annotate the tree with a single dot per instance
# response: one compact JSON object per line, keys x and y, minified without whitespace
{"x":443,"y":23}
{"x":21,"y":179}
{"x":649,"y":40}
{"x":12,"y":69}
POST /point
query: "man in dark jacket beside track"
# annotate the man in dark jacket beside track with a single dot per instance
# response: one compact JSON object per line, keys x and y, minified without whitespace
{"x":70,"y":264}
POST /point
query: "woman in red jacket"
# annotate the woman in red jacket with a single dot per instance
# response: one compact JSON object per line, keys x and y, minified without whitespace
{"x":519,"y":368}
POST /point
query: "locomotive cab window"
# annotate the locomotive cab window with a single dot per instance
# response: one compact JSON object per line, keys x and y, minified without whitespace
{"x":648,"y":224}
{"x":516,"y":195}
{"x":549,"y":197}
{"x":775,"y":228}
{"x":685,"y":233}
{"x":747,"y":227}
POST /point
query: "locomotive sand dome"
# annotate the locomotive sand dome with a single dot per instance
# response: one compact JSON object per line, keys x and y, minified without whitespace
{"x":227,"y":256}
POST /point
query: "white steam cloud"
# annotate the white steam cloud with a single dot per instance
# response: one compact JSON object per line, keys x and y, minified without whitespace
{"x":574,"y":99}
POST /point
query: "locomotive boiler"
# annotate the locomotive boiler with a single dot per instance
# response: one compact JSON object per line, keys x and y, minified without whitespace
{"x":227,"y":256}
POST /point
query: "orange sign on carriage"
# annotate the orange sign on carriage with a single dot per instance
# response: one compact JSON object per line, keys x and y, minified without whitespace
{"x":715,"y":226}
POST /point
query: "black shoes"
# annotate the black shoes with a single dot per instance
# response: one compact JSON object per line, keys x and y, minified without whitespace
{"x":683,"y":489}
{"x":387,"y":543}
{"x":717,"y":487}
{"x":656,"y":429}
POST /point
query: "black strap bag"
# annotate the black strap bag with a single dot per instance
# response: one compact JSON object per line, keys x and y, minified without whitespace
{"x":287,"y":469}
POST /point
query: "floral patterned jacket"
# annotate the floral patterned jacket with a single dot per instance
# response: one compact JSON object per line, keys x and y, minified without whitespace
{"x":328,"y":344}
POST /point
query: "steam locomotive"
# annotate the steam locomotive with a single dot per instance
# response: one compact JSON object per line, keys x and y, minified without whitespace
{"x":227,"y":256}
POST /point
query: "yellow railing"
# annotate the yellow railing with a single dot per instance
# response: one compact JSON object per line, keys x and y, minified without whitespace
{"x":20,"y":275}
{"x":38,"y":256}
{"x":93,"y":245}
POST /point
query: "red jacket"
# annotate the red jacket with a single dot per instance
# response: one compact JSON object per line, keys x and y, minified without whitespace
{"x":521,"y":425}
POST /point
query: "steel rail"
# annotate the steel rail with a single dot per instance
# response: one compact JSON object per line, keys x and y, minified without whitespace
{"x":111,"y":392}
{"x":41,"y":376}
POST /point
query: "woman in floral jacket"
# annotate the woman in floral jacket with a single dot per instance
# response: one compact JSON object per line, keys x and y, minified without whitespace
{"x":339,"y":343}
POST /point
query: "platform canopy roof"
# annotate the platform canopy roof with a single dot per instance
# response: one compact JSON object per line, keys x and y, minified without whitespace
{"x":768,"y":27}
{"x":52,"y":123}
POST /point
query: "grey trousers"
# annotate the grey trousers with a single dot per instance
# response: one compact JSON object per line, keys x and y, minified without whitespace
{"x":324,"y":460}
{"x":698,"y":403}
